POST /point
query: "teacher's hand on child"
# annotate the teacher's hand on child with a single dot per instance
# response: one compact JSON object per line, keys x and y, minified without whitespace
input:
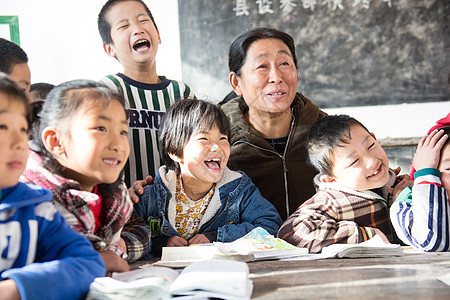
{"x":113,"y":262}
{"x":138,"y":188}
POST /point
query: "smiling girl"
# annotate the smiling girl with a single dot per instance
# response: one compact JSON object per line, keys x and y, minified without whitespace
{"x":195,"y":198}
{"x":81,"y":147}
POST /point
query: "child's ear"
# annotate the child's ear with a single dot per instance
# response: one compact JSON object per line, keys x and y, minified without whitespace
{"x":159,"y":37}
{"x":109,"y":49}
{"x":51,"y":138}
{"x":175,"y":158}
{"x":327,"y":178}
{"x":235,"y":83}
{"x":373,"y":134}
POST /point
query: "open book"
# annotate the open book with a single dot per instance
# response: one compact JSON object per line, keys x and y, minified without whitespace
{"x":375,"y":247}
{"x":262,"y":245}
{"x":256,"y":245}
{"x":210,"y":278}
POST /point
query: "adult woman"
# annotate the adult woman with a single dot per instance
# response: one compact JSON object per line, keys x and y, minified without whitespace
{"x":270,"y":121}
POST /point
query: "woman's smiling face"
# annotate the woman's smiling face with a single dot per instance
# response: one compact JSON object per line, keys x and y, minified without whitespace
{"x":268,"y":78}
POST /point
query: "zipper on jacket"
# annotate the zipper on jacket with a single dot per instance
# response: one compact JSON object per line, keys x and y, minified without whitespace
{"x":283,"y":161}
{"x":206,"y":225}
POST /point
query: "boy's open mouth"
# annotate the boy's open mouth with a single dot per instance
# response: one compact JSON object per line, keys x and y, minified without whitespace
{"x":376,"y":172}
{"x":141,"y":45}
{"x":213,"y":163}
{"x":112,"y":161}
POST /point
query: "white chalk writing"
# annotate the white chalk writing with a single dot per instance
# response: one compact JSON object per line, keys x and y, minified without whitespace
{"x":241,"y":8}
{"x":333,"y":4}
{"x":364,"y":3}
{"x":309,"y":4}
{"x":287,"y":6}
{"x":264,"y":6}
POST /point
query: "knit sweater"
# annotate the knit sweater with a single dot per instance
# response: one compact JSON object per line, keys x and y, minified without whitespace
{"x":336,"y":214}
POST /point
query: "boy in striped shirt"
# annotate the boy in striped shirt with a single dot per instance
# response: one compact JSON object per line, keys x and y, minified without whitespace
{"x":420,"y":214}
{"x":130,"y":35}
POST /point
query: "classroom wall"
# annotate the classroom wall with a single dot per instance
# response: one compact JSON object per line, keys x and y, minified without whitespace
{"x":62,"y":42}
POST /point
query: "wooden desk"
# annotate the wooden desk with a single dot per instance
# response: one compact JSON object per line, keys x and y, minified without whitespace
{"x":412,"y":276}
{"x":409,"y":277}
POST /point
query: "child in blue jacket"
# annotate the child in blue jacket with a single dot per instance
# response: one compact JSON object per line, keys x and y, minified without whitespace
{"x":41,"y":257}
{"x":195,"y":198}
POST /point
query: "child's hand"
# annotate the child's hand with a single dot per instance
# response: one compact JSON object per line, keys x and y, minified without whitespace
{"x":177,"y":241}
{"x":199,"y":239}
{"x":402,"y":181}
{"x":8,"y":290}
{"x":138,"y":188}
{"x":429,"y":150}
{"x":382,"y":235}
{"x":113,"y":262}
{"x":122,"y":245}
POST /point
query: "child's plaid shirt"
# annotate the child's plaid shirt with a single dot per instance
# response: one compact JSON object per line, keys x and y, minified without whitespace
{"x":336,"y":214}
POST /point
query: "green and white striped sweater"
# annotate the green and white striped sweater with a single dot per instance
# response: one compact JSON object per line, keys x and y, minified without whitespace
{"x":145,"y":105}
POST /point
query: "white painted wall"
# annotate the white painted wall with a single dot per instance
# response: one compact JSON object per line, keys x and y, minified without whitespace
{"x":62,"y":40}
{"x":63,"y":43}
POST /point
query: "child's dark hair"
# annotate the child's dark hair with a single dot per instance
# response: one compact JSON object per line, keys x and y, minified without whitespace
{"x":40,"y":90}
{"x":13,"y":93}
{"x":185,"y":118}
{"x":61,"y":106}
{"x":10,"y":55}
{"x":104,"y":27}
{"x":325,"y":135}
{"x":447,"y":132}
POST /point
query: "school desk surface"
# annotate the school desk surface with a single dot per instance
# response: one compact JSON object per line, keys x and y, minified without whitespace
{"x":413,"y":276}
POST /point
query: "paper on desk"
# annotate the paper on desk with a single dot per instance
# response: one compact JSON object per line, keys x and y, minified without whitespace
{"x":261,"y":245}
{"x":445,"y":278}
{"x":209,"y":278}
{"x":258,"y":244}
{"x":375,"y":247}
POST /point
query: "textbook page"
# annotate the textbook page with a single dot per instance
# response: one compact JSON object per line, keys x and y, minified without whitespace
{"x":145,"y":283}
{"x":222,"y":279}
{"x":262,"y":246}
{"x":217,"y":278}
{"x":375,"y":247}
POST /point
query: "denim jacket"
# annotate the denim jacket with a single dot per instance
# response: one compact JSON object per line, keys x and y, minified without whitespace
{"x":236,"y":208}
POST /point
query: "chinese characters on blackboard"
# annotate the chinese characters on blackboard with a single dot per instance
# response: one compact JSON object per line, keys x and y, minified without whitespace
{"x":287,"y":6}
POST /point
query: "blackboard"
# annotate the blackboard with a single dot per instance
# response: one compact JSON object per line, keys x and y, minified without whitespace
{"x":350,"y":52}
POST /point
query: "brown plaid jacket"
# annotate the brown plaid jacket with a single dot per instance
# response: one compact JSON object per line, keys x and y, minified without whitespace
{"x":336,"y":214}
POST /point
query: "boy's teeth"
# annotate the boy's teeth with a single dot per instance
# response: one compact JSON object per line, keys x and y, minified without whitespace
{"x":375,"y":173}
{"x":109,"y":161}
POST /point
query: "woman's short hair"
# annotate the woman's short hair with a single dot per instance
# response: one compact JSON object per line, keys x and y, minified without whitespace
{"x":239,"y":47}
